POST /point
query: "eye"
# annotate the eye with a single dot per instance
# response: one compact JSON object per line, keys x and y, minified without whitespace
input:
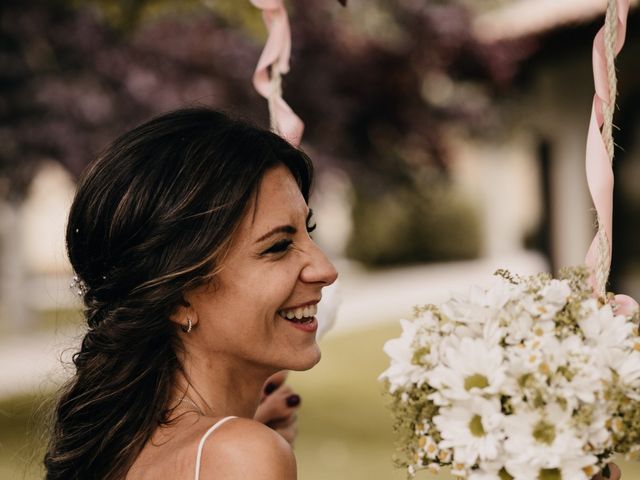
{"x":311,"y":222}
{"x":279,"y":247}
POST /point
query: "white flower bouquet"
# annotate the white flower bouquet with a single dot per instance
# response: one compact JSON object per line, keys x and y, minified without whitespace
{"x":530,"y":379}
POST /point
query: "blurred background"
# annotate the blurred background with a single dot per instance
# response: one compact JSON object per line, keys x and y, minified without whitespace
{"x":448,"y":136}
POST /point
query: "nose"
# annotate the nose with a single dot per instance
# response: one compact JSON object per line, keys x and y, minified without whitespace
{"x":319,"y":268}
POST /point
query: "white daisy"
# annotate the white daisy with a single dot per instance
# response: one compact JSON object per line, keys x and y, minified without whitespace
{"x":553,"y":298}
{"x":480,"y":304}
{"x":473,"y":429}
{"x":429,"y":446}
{"x":472,"y":369}
{"x":542,"y":444}
{"x":628,"y":369}
{"x":602,"y":328}
{"x":403,"y":372}
{"x":519,"y":325}
{"x":596,"y":433}
{"x":580,"y":379}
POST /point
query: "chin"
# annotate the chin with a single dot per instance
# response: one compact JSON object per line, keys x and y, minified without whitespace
{"x":306,"y":360}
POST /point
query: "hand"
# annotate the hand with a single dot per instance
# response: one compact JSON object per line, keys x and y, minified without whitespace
{"x":278,"y":407}
{"x":615,"y":473}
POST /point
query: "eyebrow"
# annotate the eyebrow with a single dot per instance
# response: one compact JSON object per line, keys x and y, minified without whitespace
{"x":283,"y":229}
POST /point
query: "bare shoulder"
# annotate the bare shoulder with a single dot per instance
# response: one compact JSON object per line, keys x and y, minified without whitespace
{"x":244,"y":448}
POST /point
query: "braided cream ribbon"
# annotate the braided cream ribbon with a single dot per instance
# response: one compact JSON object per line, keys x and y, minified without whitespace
{"x":600,"y":146}
{"x":273,"y":63}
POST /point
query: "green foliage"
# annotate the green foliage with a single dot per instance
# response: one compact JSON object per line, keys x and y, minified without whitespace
{"x":129,"y":14}
{"x":413,"y":223}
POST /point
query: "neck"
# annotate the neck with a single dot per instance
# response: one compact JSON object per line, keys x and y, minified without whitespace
{"x":219,"y":385}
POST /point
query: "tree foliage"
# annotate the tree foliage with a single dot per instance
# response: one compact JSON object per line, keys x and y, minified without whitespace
{"x":75,"y":74}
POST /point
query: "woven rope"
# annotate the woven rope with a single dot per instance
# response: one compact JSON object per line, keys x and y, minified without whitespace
{"x":603,"y":266}
{"x":276,"y":92}
{"x":610,"y":35}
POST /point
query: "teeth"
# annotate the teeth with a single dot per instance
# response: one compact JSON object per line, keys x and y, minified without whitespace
{"x":300,"y":313}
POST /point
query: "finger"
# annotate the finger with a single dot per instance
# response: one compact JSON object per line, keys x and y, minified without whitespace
{"x":273,"y":416}
{"x":284,"y":390}
{"x":271,"y":390}
{"x":278,"y":378}
{"x":613,"y":473}
{"x":283,"y":423}
{"x":274,"y":382}
{"x":279,"y":397}
{"x":293,"y":400}
{"x":277,"y":406}
{"x":616,"y":474}
{"x":289,"y":433}
{"x":280,"y":402}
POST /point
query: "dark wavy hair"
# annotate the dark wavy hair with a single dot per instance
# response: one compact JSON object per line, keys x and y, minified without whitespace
{"x":151,"y":219}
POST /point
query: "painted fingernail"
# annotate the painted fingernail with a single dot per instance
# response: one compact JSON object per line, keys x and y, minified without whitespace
{"x":293,"y":400}
{"x":270,"y":388}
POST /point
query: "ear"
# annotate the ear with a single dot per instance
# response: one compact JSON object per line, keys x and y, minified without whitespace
{"x":182,"y":314}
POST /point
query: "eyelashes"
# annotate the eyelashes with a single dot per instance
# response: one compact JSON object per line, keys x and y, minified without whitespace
{"x":283,"y":245}
{"x":311,"y":222}
{"x":279,"y":247}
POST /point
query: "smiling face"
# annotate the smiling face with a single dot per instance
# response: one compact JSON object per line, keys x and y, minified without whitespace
{"x":260,"y":308}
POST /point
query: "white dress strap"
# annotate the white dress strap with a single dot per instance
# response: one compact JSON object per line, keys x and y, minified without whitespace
{"x":204,"y":439}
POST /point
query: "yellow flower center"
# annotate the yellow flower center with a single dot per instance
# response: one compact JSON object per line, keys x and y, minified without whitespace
{"x":544,"y":433}
{"x":504,"y":475}
{"x":475,"y":381}
{"x":550,"y":474}
{"x":544,"y":368}
{"x":444,"y":456}
{"x":475,"y":426}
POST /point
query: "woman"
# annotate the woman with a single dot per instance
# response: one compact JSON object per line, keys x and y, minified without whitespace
{"x":190,"y":240}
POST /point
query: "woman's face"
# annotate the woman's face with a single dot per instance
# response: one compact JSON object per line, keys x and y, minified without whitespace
{"x":273,"y":273}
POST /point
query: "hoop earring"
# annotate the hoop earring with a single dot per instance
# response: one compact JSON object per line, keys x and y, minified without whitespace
{"x":187,"y":328}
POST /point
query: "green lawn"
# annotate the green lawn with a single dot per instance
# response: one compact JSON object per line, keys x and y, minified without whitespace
{"x":345,"y":428}
{"x":21,"y":438}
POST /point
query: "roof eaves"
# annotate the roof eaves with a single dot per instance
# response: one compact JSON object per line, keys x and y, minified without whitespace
{"x":522,"y":18}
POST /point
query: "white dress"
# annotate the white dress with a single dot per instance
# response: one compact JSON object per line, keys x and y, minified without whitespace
{"x":204,"y":439}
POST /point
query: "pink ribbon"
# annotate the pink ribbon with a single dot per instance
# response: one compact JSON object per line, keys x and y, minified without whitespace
{"x":598,"y":163}
{"x":275,"y":58}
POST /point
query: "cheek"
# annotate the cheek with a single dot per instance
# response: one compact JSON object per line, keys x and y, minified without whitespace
{"x":277,"y":286}
{"x":250,"y":306}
